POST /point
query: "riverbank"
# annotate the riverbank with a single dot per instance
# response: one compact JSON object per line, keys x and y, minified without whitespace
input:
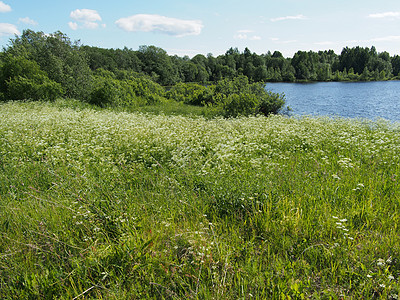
{"x":118,"y":205}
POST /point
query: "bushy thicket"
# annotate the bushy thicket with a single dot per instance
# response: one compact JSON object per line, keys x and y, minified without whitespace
{"x":44,"y":67}
{"x":21,"y":78}
{"x":124,"y":89}
{"x":230,"y":97}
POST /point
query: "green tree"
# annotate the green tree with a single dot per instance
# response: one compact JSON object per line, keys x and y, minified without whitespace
{"x":365,"y":75}
{"x":261,"y":74}
{"x":324,"y":72}
{"x":395,"y":61}
{"x":61,"y":59}
{"x":356,"y":58}
{"x":158,"y":64}
{"x":21,"y":79}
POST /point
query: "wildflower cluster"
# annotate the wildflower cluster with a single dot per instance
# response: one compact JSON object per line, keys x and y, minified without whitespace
{"x":341,"y":225}
{"x":111,"y":204}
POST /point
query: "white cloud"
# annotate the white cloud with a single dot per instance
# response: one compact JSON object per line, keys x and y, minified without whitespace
{"x":73,"y":25}
{"x":391,"y":38}
{"x":85,"y":15}
{"x":279,"y":41}
{"x":84,"y":18}
{"x":7,"y":29}
{"x":4,"y":7}
{"x":243,"y":35}
{"x":28,"y":20}
{"x":255,"y":38}
{"x":386,"y":15}
{"x":160,"y":24}
{"x":240,"y":36}
{"x":298,"y":17}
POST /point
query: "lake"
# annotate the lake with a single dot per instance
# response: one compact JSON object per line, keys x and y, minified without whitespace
{"x":372,"y":100}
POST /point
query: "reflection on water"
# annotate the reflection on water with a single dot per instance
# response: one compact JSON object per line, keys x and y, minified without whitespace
{"x":346,"y":99}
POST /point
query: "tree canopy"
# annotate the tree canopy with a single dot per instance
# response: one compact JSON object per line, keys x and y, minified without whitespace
{"x":36,"y":65}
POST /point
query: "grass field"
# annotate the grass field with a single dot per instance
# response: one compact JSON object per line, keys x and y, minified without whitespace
{"x":98,"y":204}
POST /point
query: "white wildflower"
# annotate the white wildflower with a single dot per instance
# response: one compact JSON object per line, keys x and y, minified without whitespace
{"x":380,"y":262}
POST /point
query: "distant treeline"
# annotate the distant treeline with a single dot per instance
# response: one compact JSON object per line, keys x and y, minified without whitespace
{"x":354,"y":64}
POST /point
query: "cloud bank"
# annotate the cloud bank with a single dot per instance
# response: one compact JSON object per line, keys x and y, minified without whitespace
{"x":298,"y":17}
{"x":4,"y":7}
{"x":160,"y":24}
{"x":84,"y":18}
{"x":386,"y":15}
{"x":7,"y":29}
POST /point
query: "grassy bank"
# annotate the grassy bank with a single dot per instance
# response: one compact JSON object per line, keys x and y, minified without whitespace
{"x":102,"y":204}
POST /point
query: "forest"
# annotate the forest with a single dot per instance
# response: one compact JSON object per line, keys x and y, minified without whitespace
{"x":355,"y":64}
{"x":39,"y":66}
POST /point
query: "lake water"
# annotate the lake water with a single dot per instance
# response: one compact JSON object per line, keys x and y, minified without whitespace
{"x":370,"y":100}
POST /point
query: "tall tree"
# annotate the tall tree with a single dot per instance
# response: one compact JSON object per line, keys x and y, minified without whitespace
{"x":158,"y":65}
{"x":62,"y":60}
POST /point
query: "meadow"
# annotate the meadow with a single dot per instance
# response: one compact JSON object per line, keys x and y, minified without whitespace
{"x":105,"y":204}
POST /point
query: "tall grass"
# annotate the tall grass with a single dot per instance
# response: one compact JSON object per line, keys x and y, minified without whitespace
{"x":113,"y":205}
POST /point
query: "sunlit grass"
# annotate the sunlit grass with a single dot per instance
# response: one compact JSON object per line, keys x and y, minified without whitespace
{"x":118,"y":205}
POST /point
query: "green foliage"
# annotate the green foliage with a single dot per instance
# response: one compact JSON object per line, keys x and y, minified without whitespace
{"x":239,"y":104}
{"x":129,"y":91}
{"x":270,"y":103}
{"x":55,"y":54}
{"x":239,"y":97}
{"x":104,"y":93}
{"x":21,"y":78}
{"x":39,"y":87}
{"x":158,"y":65}
{"x":230,"y":98}
{"x":303,"y":66}
{"x":190,"y":93}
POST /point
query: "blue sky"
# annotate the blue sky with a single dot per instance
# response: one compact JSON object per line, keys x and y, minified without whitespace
{"x":186,"y":27}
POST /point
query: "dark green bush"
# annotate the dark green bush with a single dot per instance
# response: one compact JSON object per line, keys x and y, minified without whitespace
{"x":40,"y":87}
{"x":190,"y":93}
{"x":104,"y":93}
{"x":240,"y":104}
{"x":239,"y":97}
{"x":21,"y":78}
{"x":127,"y":92}
{"x":229,"y":97}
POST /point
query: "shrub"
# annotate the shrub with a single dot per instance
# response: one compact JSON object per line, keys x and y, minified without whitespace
{"x":229,"y":97}
{"x":21,"y":78}
{"x":104,"y":93}
{"x":239,"y":97}
{"x":40,"y":87}
{"x":132,"y":91}
{"x":190,"y":93}
{"x":240,"y":104}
